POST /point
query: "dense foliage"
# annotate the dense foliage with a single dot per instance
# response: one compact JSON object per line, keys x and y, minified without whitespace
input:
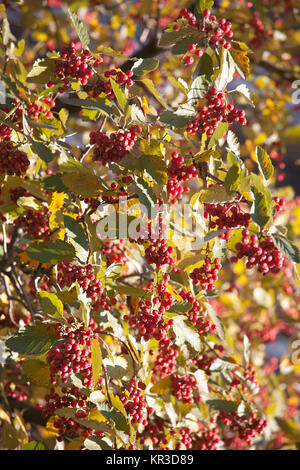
{"x":186,"y":338}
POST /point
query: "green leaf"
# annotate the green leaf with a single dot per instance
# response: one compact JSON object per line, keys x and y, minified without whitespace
{"x":96,"y":443}
{"x":180,"y":307}
{"x":203,"y":5}
{"x":204,"y":67}
{"x":52,"y":253}
{"x":232,"y":179}
{"x":262,"y":208}
{"x":35,"y":340}
{"x":220,"y":131}
{"x":34,"y":445}
{"x":181,"y":46}
{"x":54,"y":183}
{"x":185,"y":333}
{"x":228,"y":406}
{"x":145,"y":194}
{"x":215,"y":194}
{"x":287,"y":248}
{"x":51,"y":304}
{"x":132,"y":291}
{"x":198,"y":90}
{"x":80,"y":29}
{"x":77,"y":237}
{"x":156,"y":167}
{"x":114,"y":415}
{"x":42,"y":151}
{"x":264,"y":163}
{"x":143,"y":66}
{"x":119,"y":94}
{"x":178,"y":118}
{"x":88,"y":104}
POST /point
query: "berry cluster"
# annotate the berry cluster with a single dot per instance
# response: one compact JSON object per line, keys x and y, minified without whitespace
{"x":184,"y":388}
{"x":225,"y":216}
{"x":12,"y":160}
{"x":13,"y":383}
{"x":35,"y":223}
{"x":215,"y":32}
{"x":247,"y":427}
{"x":134,"y":403}
{"x":178,"y":172}
{"x":149,"y":318}
{"x":215,"y":110}
{"x":207,"y":274}
{"x":261,"y":33}
{"x":165,"y":362}
{"x":114,"y":251}
{"x":74,"y":65}
{"x":104,"y":86}
{"x":113,"y":147}
{"x":73,"y":355}
{"x":262,"y":253}
{"x":37,"y":108}
{"x":15,"y":193}
{"x":208,"y":440}
{"x":71,"y":398}
{"x":196,"y":314}
{"x":68,"y":273}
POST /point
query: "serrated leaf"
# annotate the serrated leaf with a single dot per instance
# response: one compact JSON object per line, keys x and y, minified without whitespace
{"x":204,"y":5}
{"x":119,"y":94}
{"x":88,"y":104}
{"x":264,"y":163}
{"x":80,"y":29}
{"x":51,"y":304}
{"x":216,"y":320}
{"x":245,"y":92}
{"x":238,"y":53}
{"x":233,"y":143}
{"x":77,"y":237}
{"x":96,"y":443}
{"x":232,"y":180}
{"x":144,"y":66}
{"x":185,"y":333}
{"x":180,"y":307}
{"x":82,"y":184}
{"x":35,"y":340}
{"x":52,"y":253}
{"x":220,"y":131}
{"x":287,"y":248}
{"x":215,"y":194}
{"x":114,"y":415}
{"x":198,"y":90}
{"x":42,"y":151}
{"x":145,"y":194}
{"x":177,"y":118}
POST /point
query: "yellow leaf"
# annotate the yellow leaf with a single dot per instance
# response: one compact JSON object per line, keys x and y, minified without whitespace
{"x":57,"y":202}
{"x":163,"y":386}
